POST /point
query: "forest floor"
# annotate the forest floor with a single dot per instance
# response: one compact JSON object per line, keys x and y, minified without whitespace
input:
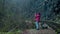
{"x":41,"y":31}
{"x":49,"y":30}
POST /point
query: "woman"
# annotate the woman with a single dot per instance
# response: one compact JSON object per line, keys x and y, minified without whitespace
{"x":37,"y":20}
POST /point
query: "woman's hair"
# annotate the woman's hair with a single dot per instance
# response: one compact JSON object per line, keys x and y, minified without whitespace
{"x":39,"y":13}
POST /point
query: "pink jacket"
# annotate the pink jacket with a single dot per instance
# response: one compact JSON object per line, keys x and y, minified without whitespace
{"x":37,"y":17}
